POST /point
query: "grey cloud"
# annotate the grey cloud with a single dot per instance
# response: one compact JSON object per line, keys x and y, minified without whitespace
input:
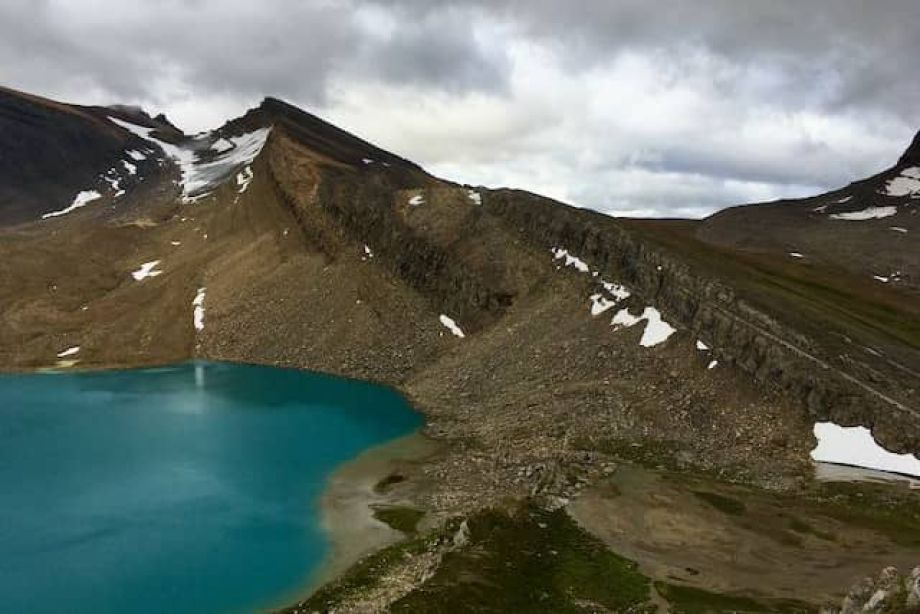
{"x":834,"y":59}
{"x":286,"y":48}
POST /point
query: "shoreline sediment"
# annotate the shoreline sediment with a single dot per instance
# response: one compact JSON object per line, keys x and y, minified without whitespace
{"x":346,"y":505}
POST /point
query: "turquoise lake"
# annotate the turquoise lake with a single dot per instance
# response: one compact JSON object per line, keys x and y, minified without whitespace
{"x":192,"y":488}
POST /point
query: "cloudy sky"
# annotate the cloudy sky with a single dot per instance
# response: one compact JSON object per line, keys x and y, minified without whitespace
{"x":632,"y":107}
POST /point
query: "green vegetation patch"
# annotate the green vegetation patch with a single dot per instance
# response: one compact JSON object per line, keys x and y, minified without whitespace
{"x":722,"y":503}
{"x":530,"y":560}
{"x":368,"y":572}
{"x":689,"y":600}
{"x":893,"y":512}
{"x":399,"y":517}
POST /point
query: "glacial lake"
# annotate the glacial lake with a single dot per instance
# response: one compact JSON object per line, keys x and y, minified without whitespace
{"x":191,"y":488}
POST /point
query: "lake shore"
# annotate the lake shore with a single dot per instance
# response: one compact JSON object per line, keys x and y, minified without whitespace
{"x":347,"y":514}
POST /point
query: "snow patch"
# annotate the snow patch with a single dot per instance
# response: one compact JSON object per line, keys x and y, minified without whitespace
{"x":713,"y":364}
{"x":475,"y":197}
{"x":570,"y":260}
{"x":451,"y":326}
{"x":796,"y":255}
{"x":600,"y":304}
{"x":656,"y":329}
{"x":886,"y":278}
{"x":869,"y":213}
{"x":899,"y":229}
{"x":69,"y":352}
{"x":367,"y":161}
{"x":417,"y":200}
{"x":367,"y":252}
{"x":616,"y":290}
{"x":199,"y":178}
{"x":198,"y":311}
{"x":115,"y":184}
{"x":221,"y":145}
{"x":701,"y":346}
{"x":80,"y":200}
{"x":905,"y":184}
{"x":136,"y":155}
{"x":244,"y":178}
{"x":624,"y":318}
{"x":146,"y":270}
{"x":131,"y":168}
{"x":855,"y":446}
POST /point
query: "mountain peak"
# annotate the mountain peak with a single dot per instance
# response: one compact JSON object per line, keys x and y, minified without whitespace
{"x":319,"y":135}
{"x":912,"y":155}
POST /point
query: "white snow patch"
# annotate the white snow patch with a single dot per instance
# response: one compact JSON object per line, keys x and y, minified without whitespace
{"x":146,"y":270}
{"x":845,"y":199}
{"x":895,"y":276}
{"x":175,"y":243}
{"x":221,"y":145}
{"x":451,"y":326}
{"x":570,"y":260}
{"x":624,"y":318}
{"x":600,"y":304}
{"x":855,"y":446}
{"x":616,"y":290}
{"x":244,"y":178}
{"x":198,"y":178}
{"x":80,"y":200}
{"x":656,"y":329}
{"x":869,"y":213}
{"x":136,"y":155}
{"x":367,"y":252}
{"x":475,"y":197}
{"x":69,"y":352}
{"x":713,"y":364}
{"x":820,"y":209}
{"x":796,"y":255}
{"x":905,"y":184}
{"x":198,"y":312}
{"x":701,"y":346}
{"x":899,"y":229}
{"x":115,"y":184}
{"x":417,"y":200}
{"x":131,"y":168}
{"x":367,"y":161}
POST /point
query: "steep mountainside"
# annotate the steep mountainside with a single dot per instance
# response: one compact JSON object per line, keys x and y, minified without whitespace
{"x":543,"y":343}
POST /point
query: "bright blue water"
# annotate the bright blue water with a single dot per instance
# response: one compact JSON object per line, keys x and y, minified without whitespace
{"x":180,"y":489}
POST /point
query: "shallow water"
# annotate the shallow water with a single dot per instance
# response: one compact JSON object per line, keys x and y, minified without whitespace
{"x":179,"y":489}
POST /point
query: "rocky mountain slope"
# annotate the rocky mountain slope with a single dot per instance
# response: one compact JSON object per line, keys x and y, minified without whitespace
{"x":544,"y":343}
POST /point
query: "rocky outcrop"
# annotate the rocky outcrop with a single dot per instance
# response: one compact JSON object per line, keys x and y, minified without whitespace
{"x":889,"y":592}
{"x":345,"y":208}
{"x":761,"y":342}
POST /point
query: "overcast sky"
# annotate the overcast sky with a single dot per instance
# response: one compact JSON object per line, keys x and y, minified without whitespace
{"x":636,"y":108}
